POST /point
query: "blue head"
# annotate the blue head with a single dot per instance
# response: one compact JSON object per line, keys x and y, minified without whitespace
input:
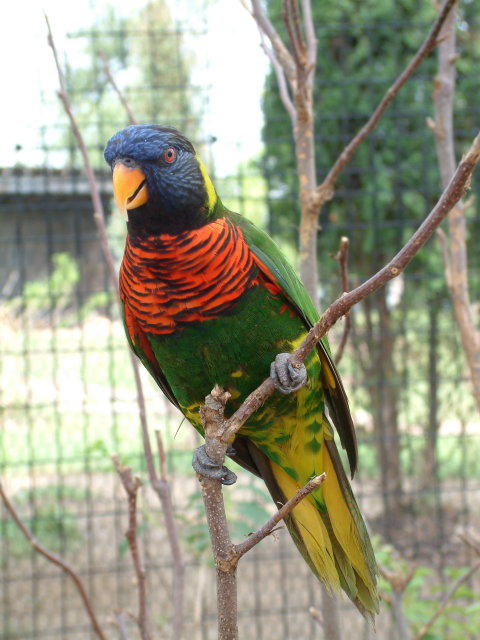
{"x":159,"y":181}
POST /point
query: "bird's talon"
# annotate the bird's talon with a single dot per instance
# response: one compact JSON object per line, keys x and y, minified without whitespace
{"x":287,"y":377}
{"x":208,"y":468}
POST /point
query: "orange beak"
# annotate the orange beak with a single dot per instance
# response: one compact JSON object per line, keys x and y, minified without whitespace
{"x":129,"y":187}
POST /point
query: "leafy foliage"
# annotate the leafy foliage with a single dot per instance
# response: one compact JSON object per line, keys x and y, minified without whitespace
{"x":423,"y":595}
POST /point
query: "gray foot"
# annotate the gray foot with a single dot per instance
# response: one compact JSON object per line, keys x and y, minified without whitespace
{"x":205,"y":466}
{"x":286,"y":377}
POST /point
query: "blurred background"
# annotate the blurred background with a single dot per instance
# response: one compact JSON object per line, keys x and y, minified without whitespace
{"x":67,"y":394}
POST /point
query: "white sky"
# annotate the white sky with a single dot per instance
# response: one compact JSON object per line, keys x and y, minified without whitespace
{"x":232,"y":58}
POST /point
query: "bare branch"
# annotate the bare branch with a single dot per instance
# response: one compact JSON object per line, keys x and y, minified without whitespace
{"x":292,"y":22}
{"x":213,"y":421}
{"x":264,"y":531}
{"x":446,"y":599}
{"x":99,"y":218}
{"x":283,"y":54}
{"x":309,"y":31}
{"x":121,"y":626}
{"x":325,"y":190}
{"x":56,"y":560}
{"x":342,"y":305}
{"x":454,"y":250}
{"x":281,"y":80}
{"x":442,"y":236}
{"x":116,"y":88}
{"x":132,"y":484}
{"x":342,"y":258}
{"x":162,"y":487}
{"x":399,"y":582}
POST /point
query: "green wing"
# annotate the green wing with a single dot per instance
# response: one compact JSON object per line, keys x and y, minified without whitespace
{"x":269,"y":254}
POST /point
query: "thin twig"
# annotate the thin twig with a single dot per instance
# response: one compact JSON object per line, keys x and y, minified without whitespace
{"x":283,"y":54}
{"x":281,"y":80}
{"x":56,"y":560}
{"x":309,"y":30}
{"x":132,"y":484}
{"x":121,"y":625}
{"x":325,"y":190}
{"x":342,"y":305}
{"x":162,"y":487}
{"x":264,"y":531}
{"x":116,"y":88}
{"x":342,"y":258}
{"x":446,"y":599}
{"x":399,"y":583}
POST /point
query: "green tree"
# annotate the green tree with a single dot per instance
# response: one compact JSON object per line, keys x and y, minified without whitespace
{"x":383,"y":194}
{"x":148,"y":59}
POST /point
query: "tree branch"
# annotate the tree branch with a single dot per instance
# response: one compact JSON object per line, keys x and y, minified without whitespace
{"x":446,"y":599}
{"x":116,"y":88}
{"x":342,"y":258}
{"x":309,"y":31}
{"x":281,"y":80}
{"x":121,"y":626}
{"x":283,"y":54}
{"x":454,"y":248}
{"x":264,"y":531}
{"x":56,"y":560}
{"x":162,"y":487}
{"x":132,"y":484}
{"x":325,"y":191}
{"x":399,"y":582}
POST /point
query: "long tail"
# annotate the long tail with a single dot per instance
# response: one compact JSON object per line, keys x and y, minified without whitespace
{"x":327,"y":528}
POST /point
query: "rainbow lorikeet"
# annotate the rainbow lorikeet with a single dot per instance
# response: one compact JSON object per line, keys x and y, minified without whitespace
{"x":209,"y":299}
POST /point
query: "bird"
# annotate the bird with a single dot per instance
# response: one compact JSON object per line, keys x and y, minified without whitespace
{"x":209,"y":299}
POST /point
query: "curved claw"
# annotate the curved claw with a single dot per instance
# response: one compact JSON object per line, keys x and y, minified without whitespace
{"x":286,"y":377}
{"x":206,"y":467}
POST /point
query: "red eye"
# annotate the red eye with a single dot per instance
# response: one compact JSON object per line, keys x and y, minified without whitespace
{"x":170,"y":154}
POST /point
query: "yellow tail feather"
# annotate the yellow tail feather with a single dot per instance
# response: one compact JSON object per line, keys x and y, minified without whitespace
{"x":343,"y":524}
{"x":311,"y":529}
{"x":326,"y":532}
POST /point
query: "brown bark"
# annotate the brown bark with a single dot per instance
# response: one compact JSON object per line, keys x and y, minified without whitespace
{"x":455,"y":246}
